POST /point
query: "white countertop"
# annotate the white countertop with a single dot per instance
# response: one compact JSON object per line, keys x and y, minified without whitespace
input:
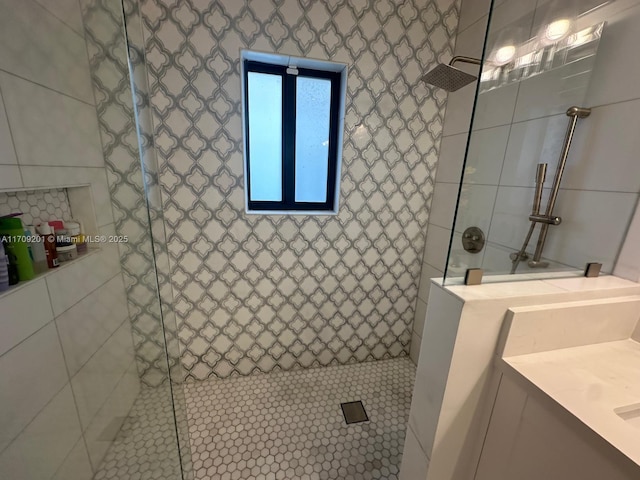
{"x":591,"y":382}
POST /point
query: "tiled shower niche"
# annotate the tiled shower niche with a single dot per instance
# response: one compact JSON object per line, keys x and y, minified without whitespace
{"x":46,"y":204}
{"x":37,"y":206}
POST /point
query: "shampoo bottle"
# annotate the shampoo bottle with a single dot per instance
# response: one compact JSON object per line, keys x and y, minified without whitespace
{"x":49,"y":240}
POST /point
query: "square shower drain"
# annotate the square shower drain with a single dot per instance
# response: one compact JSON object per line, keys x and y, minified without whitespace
{"x":354,"y":412}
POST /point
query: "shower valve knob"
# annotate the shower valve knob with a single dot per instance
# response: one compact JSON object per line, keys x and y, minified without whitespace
{"x":473,"y":240}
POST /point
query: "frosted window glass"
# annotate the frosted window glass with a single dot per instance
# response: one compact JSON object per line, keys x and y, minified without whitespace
{"x":265,"y":136}
{"x":313,"y":109}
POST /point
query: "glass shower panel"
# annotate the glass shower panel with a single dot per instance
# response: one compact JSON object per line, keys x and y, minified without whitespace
{"x":87,"y":349}
{"x":539,"y":60}
{"x":119,"y":79}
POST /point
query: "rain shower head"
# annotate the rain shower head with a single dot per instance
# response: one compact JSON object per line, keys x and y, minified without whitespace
{"x":450,"y":78}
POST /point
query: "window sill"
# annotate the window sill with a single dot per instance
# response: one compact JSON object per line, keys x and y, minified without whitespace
{"x":291,"y":212}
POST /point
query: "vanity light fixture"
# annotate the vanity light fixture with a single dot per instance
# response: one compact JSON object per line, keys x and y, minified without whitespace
{"x":556,"y":31}
{"x":504,"y":55}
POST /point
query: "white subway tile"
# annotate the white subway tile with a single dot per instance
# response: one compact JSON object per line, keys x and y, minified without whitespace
{"x":496,"y":107}
{"x":435,"y":253}
{"x":604,"y":152}
{"x":85,"y":326}
{"x":95,"y":381}
{"x":443,"y":315}
{"x":592,"y":229}
{"x":512,"y":16}
{"x":415,"y":463}
{"x":7,"y":153}
{"x":469,"y":43}
{"x":67,"y":11}
{"x":49,"y":128}
{"x":471,"y":11}
{"x":105,"y":424}
{"x":532,"y":142}
{"x":553,"y":92}
{"x":451,"y":157}
{"x":428,"y":272}
{"x":30,"y":375}
{"x":10,"y":177}
{"x":617,"y":67}
{"x":24,"y":311}
{"x":443,"y":206}
{"x":459,"y":110}
{"x":486,"y":155}
{"x":74,"y":282}
{"x":41,"y":48}
{"x":76,"y":466}
{"x":418,"y":320}
{"x":41,"y":448}
{"x":475,"y":207}
{"x":628,"y":264}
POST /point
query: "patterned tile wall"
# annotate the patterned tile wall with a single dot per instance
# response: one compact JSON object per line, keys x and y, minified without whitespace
{"x":36,"y":205}
{"x":135,"y":197}
{"x":103,"y":23}
{"x":277,"y":292}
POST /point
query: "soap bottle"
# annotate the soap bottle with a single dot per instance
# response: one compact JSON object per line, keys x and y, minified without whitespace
{"x":49,"y":241}
{"x":17,"y":248}
{"x":38,"y":253}
{"x":12,"y":266}
{"x":4,"y":269}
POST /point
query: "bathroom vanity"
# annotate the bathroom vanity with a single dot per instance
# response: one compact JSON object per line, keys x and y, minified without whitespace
{"x":528,"y":380}
{"x":568,"y":404}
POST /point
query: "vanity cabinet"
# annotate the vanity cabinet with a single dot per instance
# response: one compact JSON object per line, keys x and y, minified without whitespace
{"x":531,"y":437}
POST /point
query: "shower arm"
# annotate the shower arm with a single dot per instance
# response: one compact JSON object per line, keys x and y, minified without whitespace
{"x":460,"y":58}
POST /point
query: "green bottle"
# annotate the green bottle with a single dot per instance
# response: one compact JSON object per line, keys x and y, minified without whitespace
{"x":12,"y":231}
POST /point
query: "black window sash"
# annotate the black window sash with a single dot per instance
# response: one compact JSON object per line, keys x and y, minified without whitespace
{"x":289,"y":137}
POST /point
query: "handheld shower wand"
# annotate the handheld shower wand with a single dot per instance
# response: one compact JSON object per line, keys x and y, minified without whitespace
{"x":517,"y":257}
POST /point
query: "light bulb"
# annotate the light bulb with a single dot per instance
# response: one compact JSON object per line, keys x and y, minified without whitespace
{"x":504,"y":55}
{"x":556,"y":31}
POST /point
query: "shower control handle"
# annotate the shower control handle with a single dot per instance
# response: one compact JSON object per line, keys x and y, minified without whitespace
{"x":552,"y":220}
{"x":473,"y":240}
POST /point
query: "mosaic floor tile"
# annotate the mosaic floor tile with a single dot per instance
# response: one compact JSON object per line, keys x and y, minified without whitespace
{"x":289,"y":425}
{"x":145,"y":447}
{"x":281,"y":425}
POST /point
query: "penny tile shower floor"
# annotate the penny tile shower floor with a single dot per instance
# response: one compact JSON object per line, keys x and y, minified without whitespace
{"x":289,"y":425}
{"x":285,"y":425}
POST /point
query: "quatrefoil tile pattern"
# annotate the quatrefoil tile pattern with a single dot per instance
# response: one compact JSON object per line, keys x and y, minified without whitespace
{"x":107,"y":49}
{"x":256,"y":293}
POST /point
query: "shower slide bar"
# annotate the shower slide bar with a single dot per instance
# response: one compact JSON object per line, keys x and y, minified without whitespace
{"x":548,"y":218}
